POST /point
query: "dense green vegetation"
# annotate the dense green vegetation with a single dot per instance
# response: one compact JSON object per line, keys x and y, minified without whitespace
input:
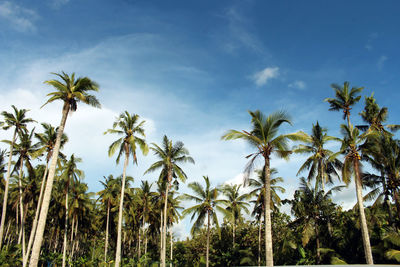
{"x":49,"y":215}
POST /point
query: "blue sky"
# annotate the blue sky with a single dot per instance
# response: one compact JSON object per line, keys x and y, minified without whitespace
{"x":192,"y":69}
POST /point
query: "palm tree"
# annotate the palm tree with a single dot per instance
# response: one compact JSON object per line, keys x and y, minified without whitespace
{"x":350,"y":148}
{"x":312,"y":207}
{"x":18,"y":120}
{"x":259,"y":191}
{"x":71,"y":91}
{"x":24,"y":149}
{"x":170,"y":155}
{"x":126,"y":125}
{"x":69,"y":175}
{"x":206,"y":208}
{"x":264,"y":137}
{"x":47,"y":141}
{"x":235,"y":203}
{"x":320,"y":164}
{"x":107,"y":196}
{"x":345,"y":99}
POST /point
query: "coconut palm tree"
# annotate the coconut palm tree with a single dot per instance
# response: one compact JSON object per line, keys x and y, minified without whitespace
{"x":71,"y":91}
{"x":69,"y":176}
{"x":258,"y":185}
{"x":107,"y":197}
{"x":320,"y":164}
{"x":345,"y":99}
{"x":18,"y":121}
{"x":24,"y":149}
{"x":46,"y":141}
{"x":129,"y":126}
{"x":235,"y":203}
{"x":352,"y":165}
{"x":208,"y":203}
{"x":170,"y":155}
{"x":264,"y":137}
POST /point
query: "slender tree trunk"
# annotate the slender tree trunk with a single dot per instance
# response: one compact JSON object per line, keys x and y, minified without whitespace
{"x":7,"y":230}
{"x":65,"y":229}
{"x":121,"y":206}
{"x":164,"y":247}
{"x":317,"y":241}
{"x":34,"y":223}
{"x":208,"y":237}
{"x":5,"y":197}
{"x":259,"y":241}
{"x":162,"y":236}
{"x":145,"y":249}
{"x":172,"y":246}
{"x":268,"y":227}
{"x":108,"y":219}
{"x":139,"y":240}
{"x":233,"y":230}
{"x":75,"y":243}
{"x":143,"y":223}
{"x":21,"y":208}
{"x":364,"y":227}
{"x":34,"y":260}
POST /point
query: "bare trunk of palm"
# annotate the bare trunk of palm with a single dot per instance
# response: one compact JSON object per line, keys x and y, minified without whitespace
{"x":268,"y":228}
{"x":233,"y":230}
{"x":259,"y":240}
{"x":139,"y":240}
{"x":65,"y":230}
{"x":164,"y":233}
{"x":106,"y":244}
{"x":162,"y":236}
{"x":4,"y":211}
{"x":145,"y":249}
{"x":172,"y":246}
{"x":364,"y":227}
{"x":35,"y":220}
{"x":34,"y":260}
{"x":208,"y":237}
{"x":317,"y":243}
{"x":121,"y":206}
{"x":21,"y":208}
{"x":75,"y":243}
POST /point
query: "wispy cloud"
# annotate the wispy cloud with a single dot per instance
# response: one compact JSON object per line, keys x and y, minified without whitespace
{"x":261,"y":78}
{"x":298,"y":85}
{"x":371,"y":38}
{"x":20,"y":19}
{"x":56,"y":4}
{"x":381,"y":62}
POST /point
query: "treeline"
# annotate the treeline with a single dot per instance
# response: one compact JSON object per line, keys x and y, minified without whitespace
{"x":49,"y":216}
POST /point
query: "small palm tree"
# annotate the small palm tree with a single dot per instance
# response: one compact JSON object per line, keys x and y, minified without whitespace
{"x":69,"y":175}
{"x":345,"y":99}
{"x":264,"y":137}
{"x":18,"y":121}
{"x":206,"y":208}
{"x":235,"y":203}
{"x":170,"y":156}
{"x":71,"y":91}
{"x":128,"y":126}
{"x":320,"y":164}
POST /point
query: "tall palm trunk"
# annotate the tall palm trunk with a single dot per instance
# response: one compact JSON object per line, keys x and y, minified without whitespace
{"x":65,"y":229}
{"x":259,"y":240}
{"x":35,"y":220}
{"x":317,"y":243}
{"x":233,"y":230}
{"x":75,"y":243}
{"x":108,"y":219}
{"x":4,"y":211}
{"x":364,"y":228}
{"x":208,"y":237}
{"x":172,"y":246}
{"x":34,"y":260}
{"x":268,"y":228}
{"x":121,"y":205}
{"x":162,"y":236}
{"x":21,"y":208}
{"x":164,"y":232}
{"x":139,"y":240}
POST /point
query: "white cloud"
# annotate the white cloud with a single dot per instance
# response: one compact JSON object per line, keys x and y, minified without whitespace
{"x":381,"y":62}
{"x":261,"y":78}
{"x":21,"y":19}
{"x":298,"y":85}
{"x":370,"y":40}
{"x":58,"y":3}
